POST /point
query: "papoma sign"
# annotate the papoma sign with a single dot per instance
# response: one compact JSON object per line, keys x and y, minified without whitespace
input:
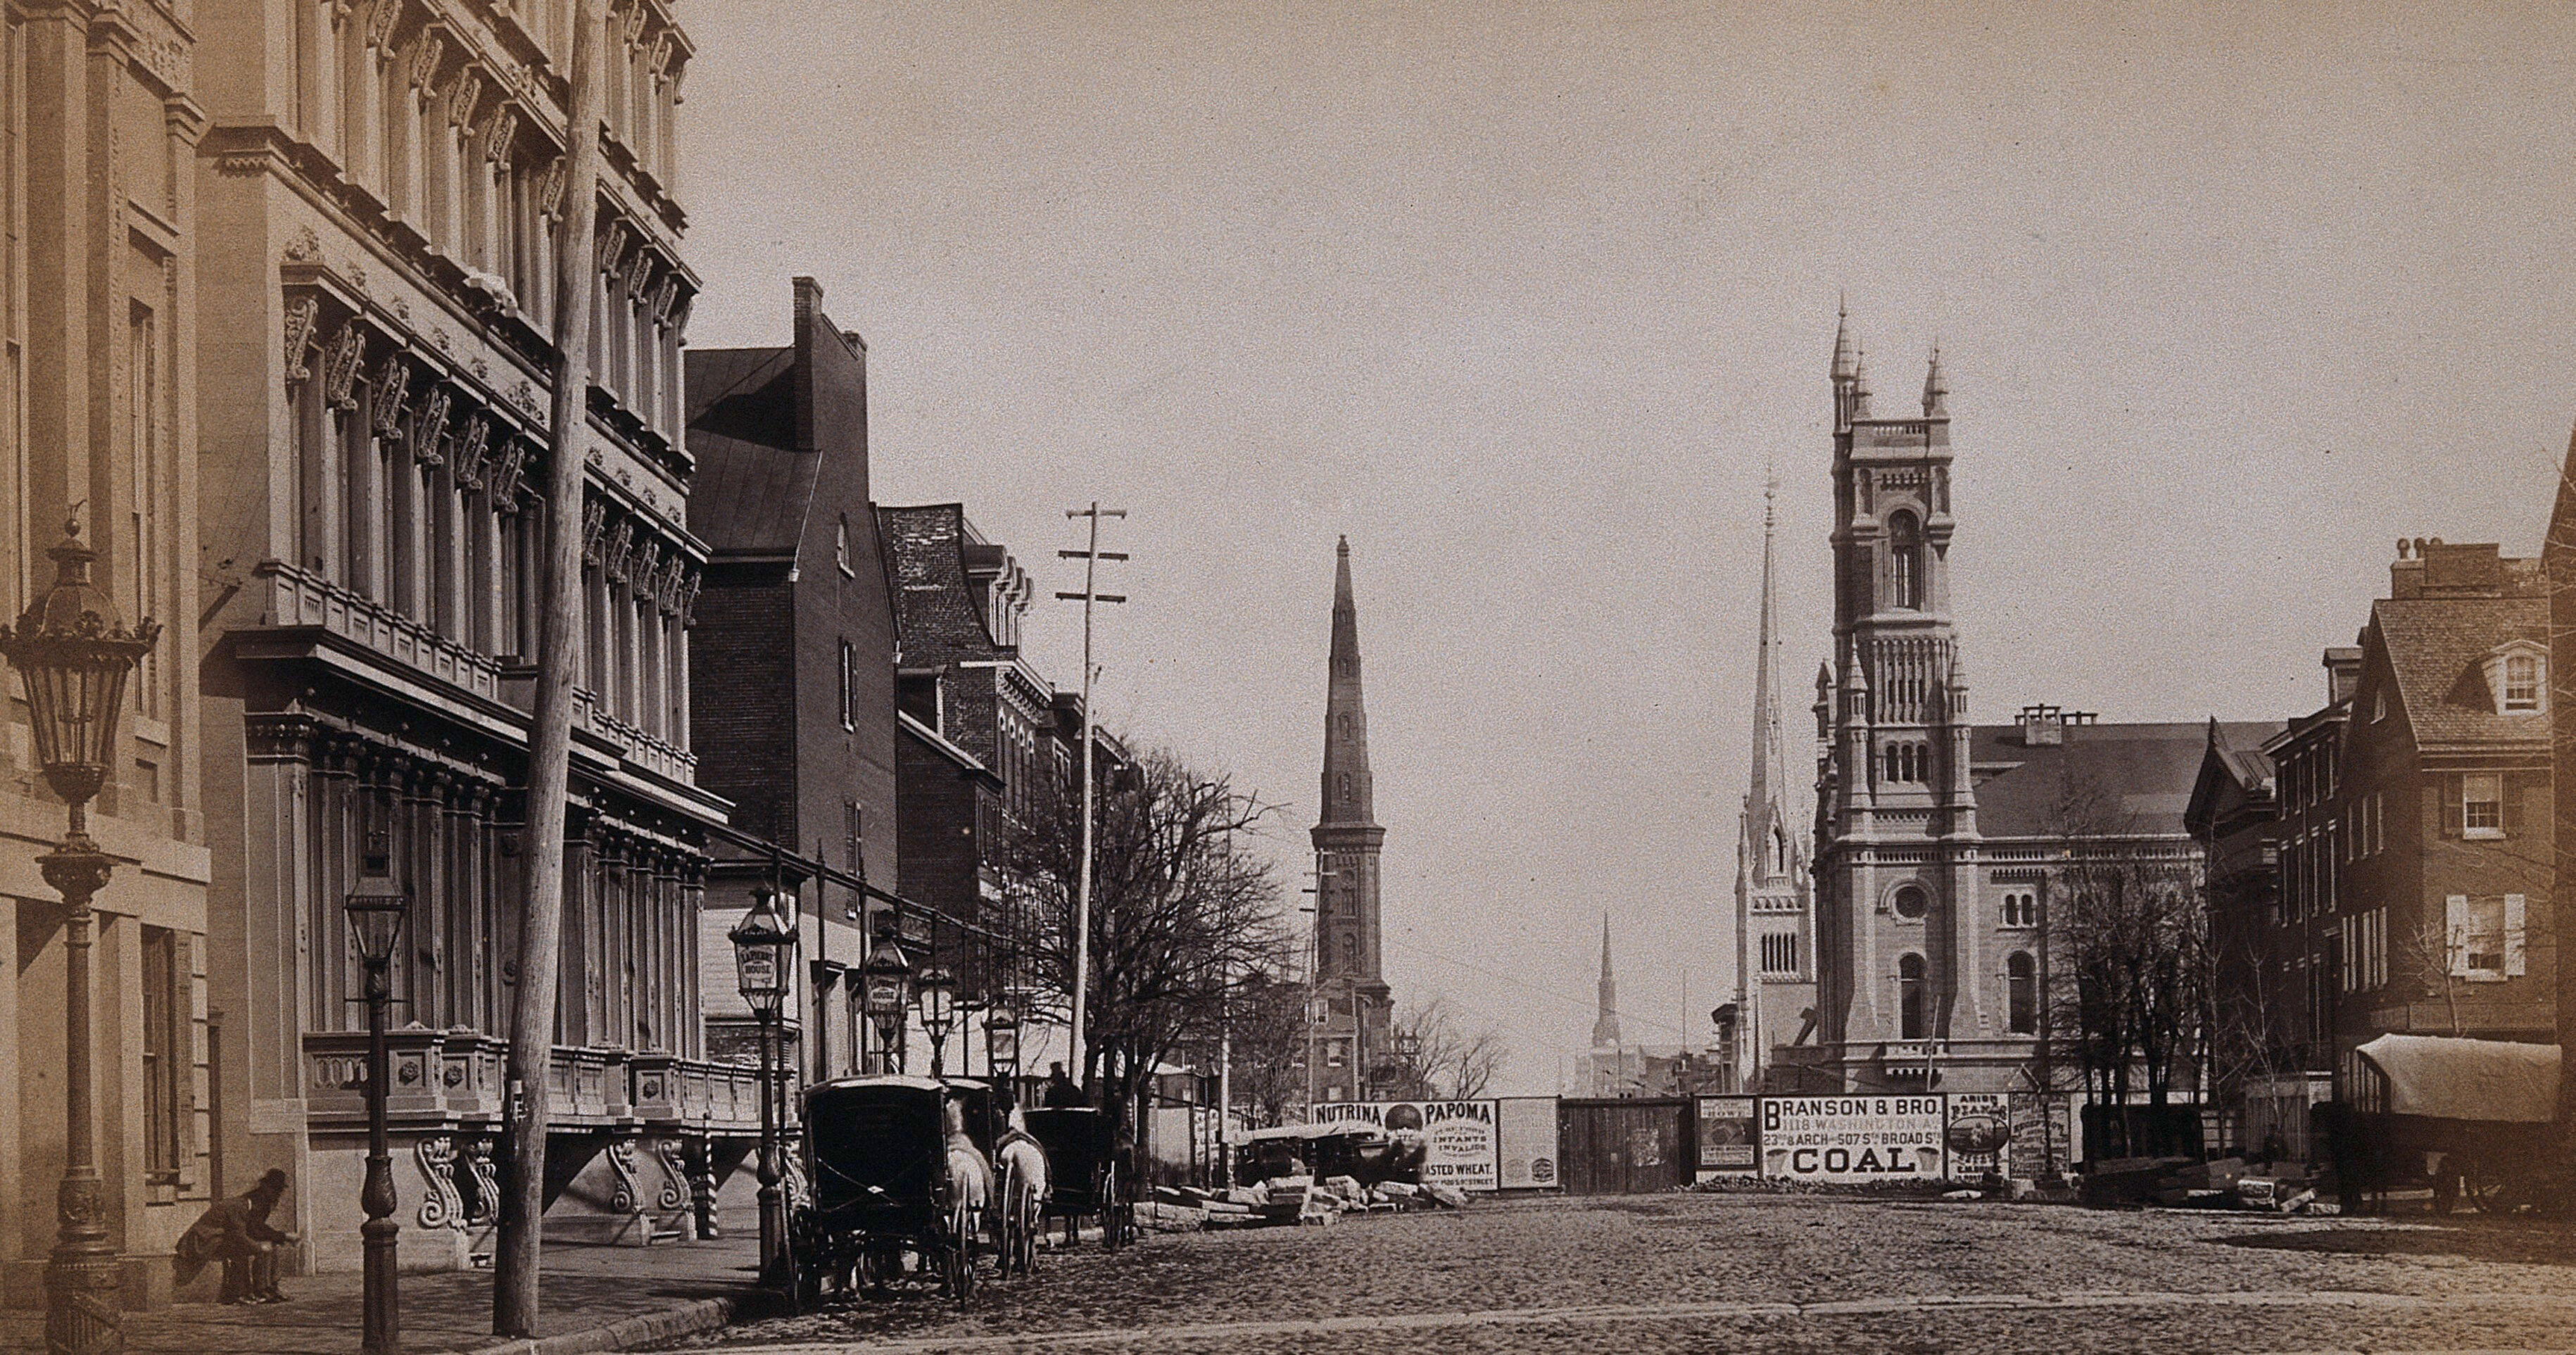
{"x":1853,"y":1138}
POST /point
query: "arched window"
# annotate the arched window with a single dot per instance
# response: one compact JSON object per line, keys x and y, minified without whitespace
{"x":2021,"y":995}
{"x":1905,"y":562}
{"x":1779,"y":851}
{"x":1913,"y":1005}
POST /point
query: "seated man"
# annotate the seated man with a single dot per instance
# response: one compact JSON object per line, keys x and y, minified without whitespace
{"x":236,"y":1232}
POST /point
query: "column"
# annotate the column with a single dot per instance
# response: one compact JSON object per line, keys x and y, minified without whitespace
{"x":362,"y":160}
{"x":317,"y":70}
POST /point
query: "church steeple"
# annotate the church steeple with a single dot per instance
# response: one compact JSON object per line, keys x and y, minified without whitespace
{"x":1348,"y":796}
{"x":1347,"y":840}
{"x":1605,"y":1027}
{"x":1773,"y":923}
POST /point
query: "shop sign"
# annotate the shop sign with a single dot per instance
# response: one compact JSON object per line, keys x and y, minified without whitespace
{"x":1852,"y":1138}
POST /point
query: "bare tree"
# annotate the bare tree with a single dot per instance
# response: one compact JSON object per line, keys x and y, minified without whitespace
{"x":1182,"y":918}
{"x":2425,"y":952}
{"x":1444,"y":1060}
{"x":1268,"y":1023}
{"x":2133,"y":928}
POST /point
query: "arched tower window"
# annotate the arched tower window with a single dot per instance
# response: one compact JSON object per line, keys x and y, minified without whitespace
{"x":1913,"y":1004}
{"x":2021,"y":995}
{"x":1779,"y":851}
{"x":1905,"y":562}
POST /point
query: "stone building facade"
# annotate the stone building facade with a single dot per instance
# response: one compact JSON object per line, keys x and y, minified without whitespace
{"x":385,"y":177}
{"x":793,"y":659}
{"x":1944,"y":849}
{"x":100,"y":325}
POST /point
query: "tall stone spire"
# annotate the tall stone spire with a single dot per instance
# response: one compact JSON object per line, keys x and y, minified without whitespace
{"x":1605,"y":1027}
{"x":1347,"y":839}
{"x":1348,"y":796}
{"x":1774,"y":935}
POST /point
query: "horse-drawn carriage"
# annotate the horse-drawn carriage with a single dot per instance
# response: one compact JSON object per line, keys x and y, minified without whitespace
{"x":1081,"y":1146}
{"x":2462,"y":1115}
{"x":898,"y":1165}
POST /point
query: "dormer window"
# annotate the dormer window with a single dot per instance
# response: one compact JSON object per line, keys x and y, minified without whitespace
{"x":2521,"y":683}
{"x":2518,"y":674}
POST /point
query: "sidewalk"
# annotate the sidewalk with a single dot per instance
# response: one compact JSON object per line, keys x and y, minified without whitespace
{"x":594,"y":1298}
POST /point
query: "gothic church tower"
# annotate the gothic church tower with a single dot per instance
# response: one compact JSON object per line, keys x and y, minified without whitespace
{"x":1347,"y":840}
{"x":1774,"y":924}
{"x":1898,"y":945}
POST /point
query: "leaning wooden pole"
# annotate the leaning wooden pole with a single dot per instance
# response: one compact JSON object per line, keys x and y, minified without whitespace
{"x":549,"y":783}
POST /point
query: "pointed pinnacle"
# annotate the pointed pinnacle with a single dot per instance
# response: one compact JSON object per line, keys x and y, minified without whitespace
{"x":1936,"y":387}
{"x":1843,"y":350}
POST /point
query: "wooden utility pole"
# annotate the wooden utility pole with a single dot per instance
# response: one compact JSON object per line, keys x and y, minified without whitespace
{"x":549,"y":783}
{"x":1090,"y":596}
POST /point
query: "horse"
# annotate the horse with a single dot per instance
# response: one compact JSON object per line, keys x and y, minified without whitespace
{"x":970,"y":1177}
{"x":1025,"y":1188}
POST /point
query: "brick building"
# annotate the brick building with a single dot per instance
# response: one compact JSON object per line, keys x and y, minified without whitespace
{"x":793,"y":658}
{"x":100,"y":320}
{"x":2428,"y":852}
{"x":2268,"y":1068}
{"x":385,"y":177}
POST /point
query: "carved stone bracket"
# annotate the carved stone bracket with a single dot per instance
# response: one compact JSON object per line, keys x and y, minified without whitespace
{"x":393,"y":386}
{"x":429,"y":428}
{"x":675,"y":1175}
{"x":441,"y":1206}
{"x":594,"y":522}
{"x":340,"y":365}
{"x":621,"y":1165}
{"x":301,"y":313}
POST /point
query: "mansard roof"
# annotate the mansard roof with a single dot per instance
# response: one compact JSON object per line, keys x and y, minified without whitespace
{"x":754,"y":488}
{"x":2436,"y":650}
{"x":2144,"y":772}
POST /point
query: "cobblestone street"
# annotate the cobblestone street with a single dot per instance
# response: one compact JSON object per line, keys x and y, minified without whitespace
{"x":1766,"y":1273}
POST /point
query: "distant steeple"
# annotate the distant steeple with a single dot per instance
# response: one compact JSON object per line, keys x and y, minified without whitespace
{"x":1605,"y":1027}
{"x":1846,"y":361}
{"x":1348,"y":795}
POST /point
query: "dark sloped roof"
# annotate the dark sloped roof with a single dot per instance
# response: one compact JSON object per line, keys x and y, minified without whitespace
{"x":2145,"y":772}
{"x":2438,"y":647}
{"x":753,"y":487}
{"x":2230,"y":763}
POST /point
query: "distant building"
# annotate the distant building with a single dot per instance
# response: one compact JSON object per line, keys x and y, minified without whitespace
{"x":1349,"y":978}
{"x":793,"y":667}
{"x":2266,"y":1069}
{"x":1941,"y":845}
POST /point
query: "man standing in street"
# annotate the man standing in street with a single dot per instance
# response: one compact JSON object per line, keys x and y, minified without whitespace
{"x":1060,"y":1091}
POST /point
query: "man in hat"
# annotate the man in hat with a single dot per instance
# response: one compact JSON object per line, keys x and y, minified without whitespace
{"x":236,"y":1232}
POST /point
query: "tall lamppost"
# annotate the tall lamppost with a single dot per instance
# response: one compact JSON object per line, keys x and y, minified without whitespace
{"x":74,"y":652}
{"x":1408,"y":1052}
{"x":764,"y":956}
{"x":938,"y":998}
{"x":886,"y":981}
{"x":375,"y":910}
{"x":1002,"y":1047}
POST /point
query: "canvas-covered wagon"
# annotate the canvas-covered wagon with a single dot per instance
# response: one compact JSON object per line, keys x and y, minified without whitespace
{"x":2463,"y":1115}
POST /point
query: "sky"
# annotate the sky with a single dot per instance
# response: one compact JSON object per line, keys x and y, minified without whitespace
{"x":1528,"y":300}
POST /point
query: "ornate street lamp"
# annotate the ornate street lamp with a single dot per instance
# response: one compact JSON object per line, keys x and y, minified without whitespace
{"x":73,"y":653}
{"x":1408,"y":1051}
{"x":938,"y":999}
{"x":887,"y":993}
{"x":764,"y":957}
{"x":1002,"y":1046}
{"x":375,"y":910}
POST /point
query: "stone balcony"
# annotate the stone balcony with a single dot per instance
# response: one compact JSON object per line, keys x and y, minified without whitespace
{"x":450,"y":1080}
{"x":298,"y":597}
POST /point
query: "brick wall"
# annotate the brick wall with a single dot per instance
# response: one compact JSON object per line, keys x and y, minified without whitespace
{"x":744,"y":641}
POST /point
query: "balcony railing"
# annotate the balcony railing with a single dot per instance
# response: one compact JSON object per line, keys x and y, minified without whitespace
{"x":297,"y":597}
{"x":457,"y":1079}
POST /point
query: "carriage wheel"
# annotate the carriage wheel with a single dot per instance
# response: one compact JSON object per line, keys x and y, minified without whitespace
{"x":959,"y":1261}
{"x":2492,"y":1191}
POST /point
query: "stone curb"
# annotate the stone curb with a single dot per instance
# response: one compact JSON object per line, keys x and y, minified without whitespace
{"x":687,"y":1319}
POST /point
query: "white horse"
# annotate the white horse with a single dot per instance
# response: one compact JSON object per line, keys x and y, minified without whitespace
{"x":970,"y":1177}
{"x":1026,"y":1185}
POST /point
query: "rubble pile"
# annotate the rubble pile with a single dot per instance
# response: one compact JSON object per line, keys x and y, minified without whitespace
{"x":1286,"y":1200}
{"x":2188,"y":1183}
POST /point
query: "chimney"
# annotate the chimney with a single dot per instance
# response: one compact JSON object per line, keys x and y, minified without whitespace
{"x":2343,"y":672}
{"x":2042,"y":726}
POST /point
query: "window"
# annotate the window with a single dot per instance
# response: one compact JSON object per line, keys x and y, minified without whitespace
{"x":854,"y":824}
{"x":2485,"y":936}
{"x":2378,"y":707}
{"x":1911,"y":902}
{"x":2021,"y":908}
{"x":2482,"y":805}
{"x":1780,"y":953}
{"x":163,"y":1020}
{"x":849,"y":685}
{"x":2021,"y":993}
{"x":2521,"y":683}
{"x":1337,"y":1053}
{"x":1913,"y":1008}
{"x":841,"y":546}
{"x":1779,"y":851}
{"x":1904,"y":561}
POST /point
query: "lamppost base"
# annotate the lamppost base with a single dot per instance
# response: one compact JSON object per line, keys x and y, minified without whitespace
{"x":83,"y":1306}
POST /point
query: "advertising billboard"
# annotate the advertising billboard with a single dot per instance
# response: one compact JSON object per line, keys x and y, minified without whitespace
{"x":1525,"y":1128}
{"x":1437,"y":1143}
{"x":1853,"y":1139}
{"x":1979,"y":1131}
{"x":1726,"y":1136}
